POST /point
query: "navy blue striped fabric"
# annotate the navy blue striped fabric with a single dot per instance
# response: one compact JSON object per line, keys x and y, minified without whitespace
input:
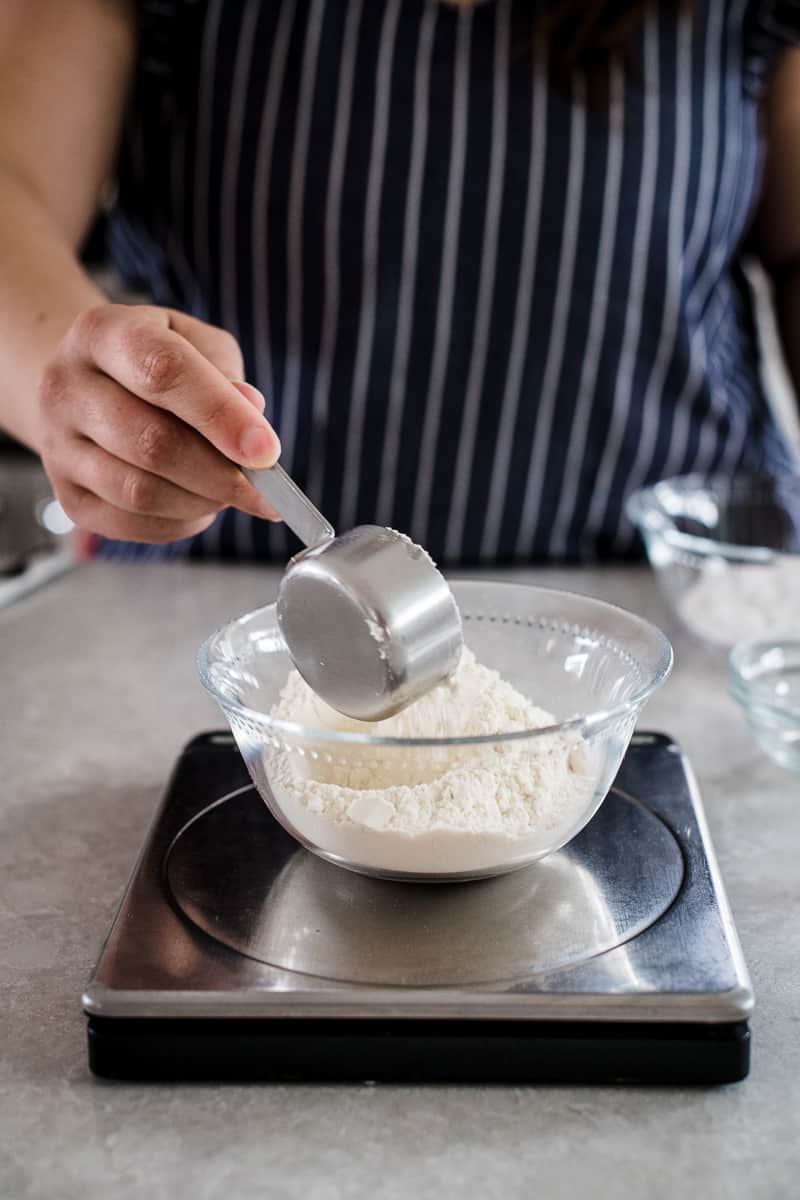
{"x":482,"y":309}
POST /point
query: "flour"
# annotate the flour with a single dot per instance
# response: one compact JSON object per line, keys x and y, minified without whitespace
{"x":731,"y":601}
{"x":429,"y":808}
{"x":380,"y":635}
{"x":415,"y":550}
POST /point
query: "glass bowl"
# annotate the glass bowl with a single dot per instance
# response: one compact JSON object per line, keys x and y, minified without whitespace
{"x":765,"y":679}
{"x":590,"y":664}
{"x":726,"y":552}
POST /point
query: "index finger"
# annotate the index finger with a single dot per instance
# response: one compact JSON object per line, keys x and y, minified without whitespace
{"x":138,"y":347}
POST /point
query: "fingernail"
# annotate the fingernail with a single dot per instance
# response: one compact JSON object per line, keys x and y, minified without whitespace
{"x":259,"y":447}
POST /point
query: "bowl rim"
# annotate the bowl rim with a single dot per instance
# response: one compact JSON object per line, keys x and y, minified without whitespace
{"x":585,"y":723}
{"x":644,"y":510}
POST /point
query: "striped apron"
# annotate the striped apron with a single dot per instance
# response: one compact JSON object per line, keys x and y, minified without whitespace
{"x":482,"y":308}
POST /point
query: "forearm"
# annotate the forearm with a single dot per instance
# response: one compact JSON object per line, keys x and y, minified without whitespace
{"x":43,"y":288}
{"x":788,"y":301}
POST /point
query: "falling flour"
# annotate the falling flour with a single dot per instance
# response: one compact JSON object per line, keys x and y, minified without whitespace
{"x":448,"y":809}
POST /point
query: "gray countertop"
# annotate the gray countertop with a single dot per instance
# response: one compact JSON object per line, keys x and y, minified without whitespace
{"x":98,"y":695}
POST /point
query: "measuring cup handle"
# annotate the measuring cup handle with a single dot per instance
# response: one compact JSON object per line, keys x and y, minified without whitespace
{"x":280,"y":490}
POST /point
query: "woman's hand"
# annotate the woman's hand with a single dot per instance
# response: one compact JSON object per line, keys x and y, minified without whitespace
{"x":142,"y":417}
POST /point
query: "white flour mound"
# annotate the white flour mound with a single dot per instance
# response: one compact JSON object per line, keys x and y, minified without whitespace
{"x":423,"y":809}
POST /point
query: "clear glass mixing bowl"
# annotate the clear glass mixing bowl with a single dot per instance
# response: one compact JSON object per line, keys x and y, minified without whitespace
{"x":590,"y":664}
{"x":765,"y":679}
{"x":726,"y":552}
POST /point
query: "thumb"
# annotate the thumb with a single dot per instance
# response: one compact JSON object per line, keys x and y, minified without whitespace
{"x":221,"y":349}
{"x":215,"y":344}
{"x":256,"y":398}
{"x":250,"y":393}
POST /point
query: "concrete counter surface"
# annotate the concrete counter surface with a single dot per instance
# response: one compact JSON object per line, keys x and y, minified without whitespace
{"x":99,"y":693}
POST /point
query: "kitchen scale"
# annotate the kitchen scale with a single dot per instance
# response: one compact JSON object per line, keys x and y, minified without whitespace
{"x":236,"y":954}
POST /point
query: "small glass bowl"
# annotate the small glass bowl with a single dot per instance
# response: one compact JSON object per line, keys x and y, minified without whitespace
{"x":765,"y":679}
{"x":589,"y":663}
{"x":726,"y":552}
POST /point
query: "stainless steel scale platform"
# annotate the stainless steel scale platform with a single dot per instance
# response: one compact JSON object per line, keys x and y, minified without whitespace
{"x":236,"y":954}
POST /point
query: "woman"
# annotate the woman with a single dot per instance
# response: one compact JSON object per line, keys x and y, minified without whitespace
{"x":483,"y":261}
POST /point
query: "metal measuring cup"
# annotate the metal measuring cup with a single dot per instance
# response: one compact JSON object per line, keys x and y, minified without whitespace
{"x":369,"y":621}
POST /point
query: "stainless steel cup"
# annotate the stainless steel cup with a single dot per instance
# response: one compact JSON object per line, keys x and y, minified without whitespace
{"x":369,"y":621}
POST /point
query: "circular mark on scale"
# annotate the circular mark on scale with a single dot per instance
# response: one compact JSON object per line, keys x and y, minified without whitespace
{"x":238,"y":876}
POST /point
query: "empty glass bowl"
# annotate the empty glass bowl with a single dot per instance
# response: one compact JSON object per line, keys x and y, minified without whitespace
{"x":590,"y":664}
{"x":765,"y":679}
{"x":726,"y":551}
